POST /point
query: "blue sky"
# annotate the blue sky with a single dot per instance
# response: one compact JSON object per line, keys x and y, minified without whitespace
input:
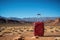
{"x":29,"y":8}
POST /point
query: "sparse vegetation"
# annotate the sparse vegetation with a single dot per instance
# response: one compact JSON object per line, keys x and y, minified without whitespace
{"x":26,"y":30}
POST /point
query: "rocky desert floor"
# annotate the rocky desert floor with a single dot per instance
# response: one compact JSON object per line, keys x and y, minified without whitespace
{"x":26,"y":32}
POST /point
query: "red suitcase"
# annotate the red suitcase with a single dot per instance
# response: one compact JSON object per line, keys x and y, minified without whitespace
{"x":39,"y":29}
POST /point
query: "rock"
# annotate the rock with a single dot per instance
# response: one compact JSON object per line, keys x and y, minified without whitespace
{"x":1,"y":35}
{"x":21,"y":38}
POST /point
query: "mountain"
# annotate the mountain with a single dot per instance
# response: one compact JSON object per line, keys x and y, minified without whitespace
{"x":46,"y":20}
{"x":53,"y":22}
{"x":34,"y":19}
{"x":56,"y":21}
